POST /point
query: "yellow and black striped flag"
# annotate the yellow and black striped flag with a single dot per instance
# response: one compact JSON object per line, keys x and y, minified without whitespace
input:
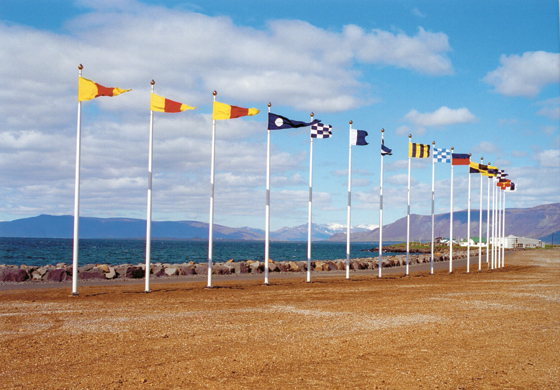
{"x":418,"y":150}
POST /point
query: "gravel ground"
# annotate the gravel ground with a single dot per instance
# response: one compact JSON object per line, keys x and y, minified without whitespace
{"x":483,"y":330}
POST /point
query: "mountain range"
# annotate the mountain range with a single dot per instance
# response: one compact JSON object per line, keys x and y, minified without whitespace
{"x":537,"y":222}
{"x":52,"y":226}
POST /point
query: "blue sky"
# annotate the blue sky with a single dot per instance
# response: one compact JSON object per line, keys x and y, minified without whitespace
{"x":481,"y":76}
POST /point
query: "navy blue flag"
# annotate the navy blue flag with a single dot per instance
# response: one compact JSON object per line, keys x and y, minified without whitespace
{"x":358,"y":137}
{"x":385,"y":150}
{"x":319,"y":130}
{"x":278,"y":122}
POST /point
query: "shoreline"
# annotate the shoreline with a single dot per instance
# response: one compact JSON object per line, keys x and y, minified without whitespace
{"x":393,"y":265}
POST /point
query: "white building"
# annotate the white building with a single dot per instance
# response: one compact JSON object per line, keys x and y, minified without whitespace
{"x":512,"y":242}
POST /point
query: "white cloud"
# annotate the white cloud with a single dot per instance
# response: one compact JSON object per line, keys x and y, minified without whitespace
{"x":486,"y":147}
{"x":548,"y":158}
{"x":550,"y":108}
{"x":441,"y":117}
{"x":525,"y":75}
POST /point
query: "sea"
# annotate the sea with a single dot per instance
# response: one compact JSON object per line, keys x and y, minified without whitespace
{"x":44,"y":251}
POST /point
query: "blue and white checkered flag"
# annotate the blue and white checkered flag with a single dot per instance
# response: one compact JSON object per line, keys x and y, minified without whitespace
{"x":442,"y":155}
{"x":320,"y":130}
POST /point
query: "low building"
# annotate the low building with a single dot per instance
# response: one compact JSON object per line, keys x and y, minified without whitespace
{"x":474,"y":241}
{"x":513,"y":242}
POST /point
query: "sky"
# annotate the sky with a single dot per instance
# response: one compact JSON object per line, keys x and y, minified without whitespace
{"x":480,"y":76}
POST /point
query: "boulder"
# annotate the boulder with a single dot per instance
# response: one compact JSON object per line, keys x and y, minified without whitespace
{"x":273,"y":267}
{"x":220,"y":269}
{"x":186,"y":270}
{"x":103,"y":267}
{"x":135,"y":272}
{"x":94,"y":273}
{"x":256,"y":267}
{"x":13,"y":275}
{"x":201,"y":269}
{"x":282,"y":267}
{"x":340,"y":265}
{"x":61,"y":265}
{"x":112,"y":274}
{"x":171,"y":271}
{"x":293,"y":266}
{"x":57,"y":275}
{"x":230,"y":261}
{"x":239,"y":268}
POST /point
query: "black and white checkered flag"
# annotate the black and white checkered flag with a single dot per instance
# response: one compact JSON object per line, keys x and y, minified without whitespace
{"x":320,"y":130}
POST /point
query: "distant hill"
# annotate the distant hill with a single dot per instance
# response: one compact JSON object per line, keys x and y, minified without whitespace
{"x":50,"y":226}
{"x":536,"y":222}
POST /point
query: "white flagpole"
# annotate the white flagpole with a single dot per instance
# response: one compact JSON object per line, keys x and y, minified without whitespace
{"x":211,"y":223}
{"x":149,"y":212}
{"x":348,"y":220}
{"x":488,"y":220}
{"x":267,"y":214}
{"x":493,"y":224}
{"x":469,"y":222}
{"x":499,"y":226}
{"x":77,"y":196}
{"x":310,"y":205}
{"x":480,"y":224}
{"x":451,"y":220}
{"x":408,"y":209}
{"x":381,"y":211}
{"x":433,"y":201}
{"x":504,"y":227}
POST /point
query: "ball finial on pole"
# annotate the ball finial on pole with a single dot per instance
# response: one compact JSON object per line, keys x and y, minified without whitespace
{"x":382,"y":130}
{"x":350,"y":122}
{"x":152,"y":82}
{"x":214,"y":93}
{"x":410,"y":136}
{"x":80,"y":67}
{"x":269,"y":104}
{"x":312,"y":115}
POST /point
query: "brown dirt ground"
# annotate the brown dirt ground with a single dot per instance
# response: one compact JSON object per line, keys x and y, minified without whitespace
{"x":483,"y":330}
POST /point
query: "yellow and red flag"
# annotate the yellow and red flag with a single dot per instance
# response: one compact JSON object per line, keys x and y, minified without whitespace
{"x":88,"y":90}
{"x":161,"y":104}
{"x":225,"y":111}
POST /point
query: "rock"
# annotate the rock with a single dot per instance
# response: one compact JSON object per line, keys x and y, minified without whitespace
{"x":220,"y":269}
{"x":292,"y":266}
{"x":272,"y":267}
{"x":230,"y":261}
{"x":103,"y":267}
{"x":135,"y":272}
{"x":256,"y":267}
{"x":302,"y":265}
{"x":94,"y":273}
{"x":239,"y":268}
{"x":201,"y":269}
{"x":112,"y":274}
{"x":13,"y":275}
{"x":171,"y":271}
{"x":340,"y":265}
{"x":282,"y":267}
{"x":61,"y":265}
{"x":57,"y":275}
{"x":186,"y":270}
{"x":36,"y":276}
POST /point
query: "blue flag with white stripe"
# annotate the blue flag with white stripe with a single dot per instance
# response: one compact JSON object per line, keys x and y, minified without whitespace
{"x":358,"y":137}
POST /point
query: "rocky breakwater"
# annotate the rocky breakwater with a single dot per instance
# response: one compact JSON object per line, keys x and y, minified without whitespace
{"x":62,"y":272}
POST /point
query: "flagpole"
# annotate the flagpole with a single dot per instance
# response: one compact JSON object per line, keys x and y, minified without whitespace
{"x":408,"y":209}
{"x":149,"y":212}
{"x":433,"y":201}
{"x":488,"y":221}
{"x":381,"y":212}
{"x":77,"y":195}
{"x":451,"y":220}
{"x":493,"y":223}
{"x":504,"y":227}
{"x":499,"y":225}
{"x":310,"y":205}
{"x":480,"y":225}
{"x":267,"y":215}
{"x":211,"y":224}
{"x":348,"y":220}
{"x":469,"y":221}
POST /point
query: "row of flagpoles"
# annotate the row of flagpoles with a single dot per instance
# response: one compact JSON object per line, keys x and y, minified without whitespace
{"x":88,"y":90}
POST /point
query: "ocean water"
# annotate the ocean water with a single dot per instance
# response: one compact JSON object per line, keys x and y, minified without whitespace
{"x":43,"y":251}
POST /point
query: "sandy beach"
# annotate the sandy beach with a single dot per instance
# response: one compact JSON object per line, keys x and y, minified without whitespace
{"x":495,"y":329}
